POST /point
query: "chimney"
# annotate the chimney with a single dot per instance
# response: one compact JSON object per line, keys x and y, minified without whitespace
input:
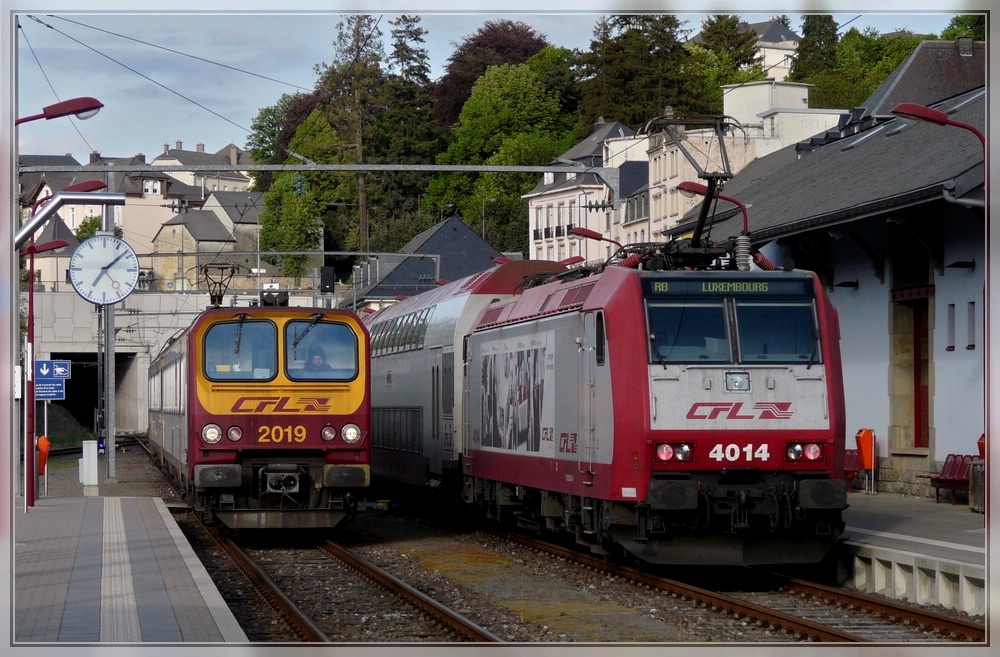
{"x":179,"y":145}
{"x":95,"y":157}
{"x":200,"y":148}
{"x":166,"y":147}
{"x":140,"y":157}
{"x":233,"y":155}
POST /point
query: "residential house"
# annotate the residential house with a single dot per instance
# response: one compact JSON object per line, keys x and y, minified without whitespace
{"x":227,"y":178}
{"x":777,"y":46}
{"x":761,"y":117}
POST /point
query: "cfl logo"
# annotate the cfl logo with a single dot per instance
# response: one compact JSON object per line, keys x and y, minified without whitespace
{"x":281,"y":405}
{"x":735,"y":411}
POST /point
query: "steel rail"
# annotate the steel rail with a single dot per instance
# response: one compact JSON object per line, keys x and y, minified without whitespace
{"x":300,"y":623}
{"x":922,"y":617}
{"x":458,"y":623}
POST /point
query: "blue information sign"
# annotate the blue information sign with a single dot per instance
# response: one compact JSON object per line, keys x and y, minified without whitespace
{"x":52,"y":369}
{"x":50,"y":389}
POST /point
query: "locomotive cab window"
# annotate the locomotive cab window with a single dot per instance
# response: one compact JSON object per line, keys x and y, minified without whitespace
{"x":688,"y":332}
{"x":241,"y":350}
{"x":318,"y":350}
{"x":777,"y":332}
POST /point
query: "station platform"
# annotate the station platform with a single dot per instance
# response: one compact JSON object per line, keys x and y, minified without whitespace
{"x":111,"y":570}
{"x":907,"y":547}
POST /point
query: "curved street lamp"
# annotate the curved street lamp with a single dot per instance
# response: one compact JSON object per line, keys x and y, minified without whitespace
{"x":923,"y":113}
{"x":580,"y":231}
{"x":689,"y":189}
{"x":82,"y":108}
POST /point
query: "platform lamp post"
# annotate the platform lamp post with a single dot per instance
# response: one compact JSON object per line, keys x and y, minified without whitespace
{"x":931,"y":115}
{"x":923,"y":113}
{"x":689,"y":189}
{"x":589,"y":234}
{"x":29,"y":367}
{"x":83,"y":108}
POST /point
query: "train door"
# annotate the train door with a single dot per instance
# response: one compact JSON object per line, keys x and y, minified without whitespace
{"x":433,"y":453}
{"x":591,"y":352}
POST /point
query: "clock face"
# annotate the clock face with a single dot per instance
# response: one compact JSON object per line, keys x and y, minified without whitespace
{"x":103,"y":269}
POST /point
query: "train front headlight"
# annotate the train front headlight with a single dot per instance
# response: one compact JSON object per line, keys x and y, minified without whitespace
{"x":673,"y":452}
{"x":211,"y":433}
{"x":804,"y":451}
{"x":328,"y":433}
{"x":351,"y":433}
{"x":234,"y":433}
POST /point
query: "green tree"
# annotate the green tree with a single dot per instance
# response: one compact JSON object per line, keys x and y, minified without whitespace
{"x":91,"y":225}
{"x":264,"y":142}
{"x":557,"y":68}
{"x":352,"y":90}
{"x":973,"y":25}
{"x":496,"y":42}
{"x":865,"y":59}
{"x":817,"y":51}
{"x":407,"y":134}
{"x":736,"y":48}
{"x":710,"y":74}
{"x":509,"y":119}
{"x":633,"y":69}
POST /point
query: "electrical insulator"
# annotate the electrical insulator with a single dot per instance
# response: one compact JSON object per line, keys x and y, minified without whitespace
{"x":742,"y":252}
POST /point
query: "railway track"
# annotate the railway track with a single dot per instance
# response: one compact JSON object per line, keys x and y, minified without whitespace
{"x":810,"y":612}
{"x":329,"y":594}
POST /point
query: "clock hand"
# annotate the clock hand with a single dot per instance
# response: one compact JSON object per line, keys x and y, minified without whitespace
{"x":105,"y":268}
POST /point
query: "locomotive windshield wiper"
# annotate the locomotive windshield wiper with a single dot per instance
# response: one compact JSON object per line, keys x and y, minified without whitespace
{"x":295,"y":343}
{"x":239,"y":334}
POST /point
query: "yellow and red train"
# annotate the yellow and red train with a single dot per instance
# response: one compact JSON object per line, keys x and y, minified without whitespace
{"x":261,"y":414}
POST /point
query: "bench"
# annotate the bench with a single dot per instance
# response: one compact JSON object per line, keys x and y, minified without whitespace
{"x":954,"y":476}
{"x":852,"y":463}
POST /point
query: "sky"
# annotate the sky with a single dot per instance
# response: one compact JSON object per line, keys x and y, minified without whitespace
{"x":202,"y":77}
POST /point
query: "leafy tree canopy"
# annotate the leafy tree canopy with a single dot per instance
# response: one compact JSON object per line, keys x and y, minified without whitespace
{"x":817,"y":51}
{"x":496,"y":42}
{"x":91,"y":225}
{"x":973,"y":25}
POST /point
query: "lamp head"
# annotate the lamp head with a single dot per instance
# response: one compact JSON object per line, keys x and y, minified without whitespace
{"x":921,"y":112}
{"x":691,"y":189}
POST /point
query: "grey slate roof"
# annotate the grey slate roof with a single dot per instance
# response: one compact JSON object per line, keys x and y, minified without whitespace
{"x":203,"y":225}
{"x":877,"y":161}
{"x":56,"y":229}
{"x":893,"y":164}
{"x":590,"y":152}
{"x":462,"y":252}
{"x":767,"y":32}
{"x":934,"y":70}
{"x":241,"y":207}
{"x":31,"y":182}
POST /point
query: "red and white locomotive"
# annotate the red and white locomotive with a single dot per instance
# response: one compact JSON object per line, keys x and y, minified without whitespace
{"x":671,"y":404}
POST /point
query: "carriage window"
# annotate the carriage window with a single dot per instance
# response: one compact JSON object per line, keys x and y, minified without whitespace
{"x":777,"y":332}
{"x":241,"y":350}
{"x":688,"y":332}
{"x":320,"y":350}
